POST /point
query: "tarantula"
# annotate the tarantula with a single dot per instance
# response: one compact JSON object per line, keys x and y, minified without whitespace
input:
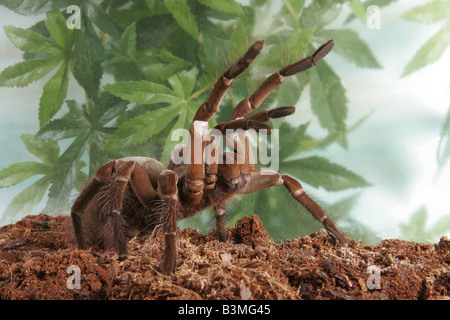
{"x":134,"y":195}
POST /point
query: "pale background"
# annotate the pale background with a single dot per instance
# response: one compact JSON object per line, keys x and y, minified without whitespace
{"x":395,"y":149}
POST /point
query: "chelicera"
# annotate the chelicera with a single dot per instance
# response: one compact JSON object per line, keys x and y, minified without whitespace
{"x":135,"y":195}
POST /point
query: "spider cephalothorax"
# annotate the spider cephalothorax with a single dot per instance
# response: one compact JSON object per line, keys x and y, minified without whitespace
{"x":134,"y":195}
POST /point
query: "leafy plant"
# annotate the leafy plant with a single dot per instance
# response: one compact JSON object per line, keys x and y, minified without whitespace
{"x":145,"y":68}
{"x":437,"y":11}
{"x":415,"y":229}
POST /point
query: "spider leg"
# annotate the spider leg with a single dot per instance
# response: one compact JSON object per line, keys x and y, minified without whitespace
{"x":265,"y":179}
{"x":254,"y":101}
{"x":210,"y":106}
{"x":113,"y":231}
{"x":90,"y":190}
{"x":141,"y":185}
{"x":219,"y":210}
{"x":168,"y":192}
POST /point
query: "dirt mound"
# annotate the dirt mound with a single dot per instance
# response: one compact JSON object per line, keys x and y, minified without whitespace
{"x":39,"y":260}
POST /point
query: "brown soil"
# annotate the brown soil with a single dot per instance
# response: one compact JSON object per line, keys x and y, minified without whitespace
{"x":37,"y":251}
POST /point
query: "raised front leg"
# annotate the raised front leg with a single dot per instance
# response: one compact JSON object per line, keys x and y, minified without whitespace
{"x":210,"y":107}
{"x":254,"y":101}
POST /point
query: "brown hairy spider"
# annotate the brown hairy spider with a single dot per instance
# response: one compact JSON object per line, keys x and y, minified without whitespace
{"x":134,"y":195}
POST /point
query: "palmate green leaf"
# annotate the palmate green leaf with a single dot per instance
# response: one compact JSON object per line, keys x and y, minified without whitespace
{"x":54,"y":93}
{"x":349,"y":45}
{"x":23,"y":73}
{"x":229,"y":6}
{"x":320,"y":172}
{"x":430,"y":52}
{"x":30,"y":41}
{"x":141,"y":128}
{"x":430,"y":12}
{"x":183,"y":15}
{"x":328,"y":99}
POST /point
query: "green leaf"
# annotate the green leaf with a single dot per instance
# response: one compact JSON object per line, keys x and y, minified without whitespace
{"x":30,"y":41}
{"x":290,"y":147}
{"x":183,"y":83}
{"x":54,"y":93}
{"x":291,"y":50}
{"x":440,"y":227}
{"x":161,"y":66}
{"x":229,"y":6}
{"x":103,"y":20}
{"x":349,"y":45}
{"x":23,"y":73}
{"x":430,"y":52}
{"x":127,"y":43}
{"x":293,"y":8}
{"x":358,"y":10}
{"x":141,"y":92}
{"x":21,"y":171}
{"x":238,"y":41}
{"x":139,"y":129}
{"x":57,"y":26}
{"x":185,"y":111}
{"x":328,"y":99}
{"x":23,"y":202}
{"x":46,"y":151}
{"x":320,"y":172}
{"x":415,"y":229}
{"x":62,"y":129}
{"x":429,"y":13}
{"x":183,"y":15}
{"x":88,"y":58}
{"x":443,"y":150}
